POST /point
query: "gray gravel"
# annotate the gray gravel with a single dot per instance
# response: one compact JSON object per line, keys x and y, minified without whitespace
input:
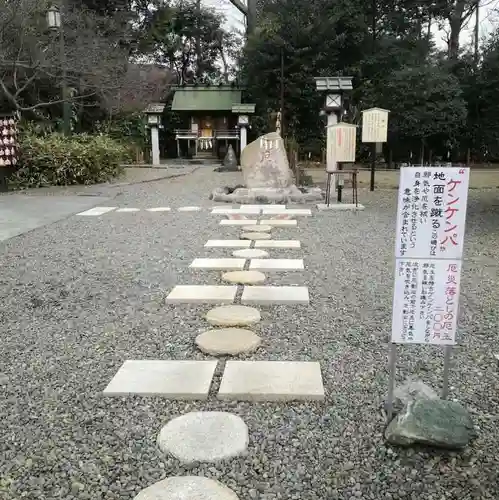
{"x":80,"y":296}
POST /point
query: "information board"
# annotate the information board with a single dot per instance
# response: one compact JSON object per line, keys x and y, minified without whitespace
{"x":431,"y":212}
{"x":341,"y":142}
{"x":375,"y":125}
{"x":428,"y":252}
{"x":425,"y":304}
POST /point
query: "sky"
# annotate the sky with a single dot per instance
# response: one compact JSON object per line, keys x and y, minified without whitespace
{"x":488,"y":19}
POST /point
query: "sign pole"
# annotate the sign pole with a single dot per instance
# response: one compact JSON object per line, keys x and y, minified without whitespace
{"x":447,"y":357}
{"x":373,"y":164}
{"x":340,"y":183}
{"x":392,"y":367}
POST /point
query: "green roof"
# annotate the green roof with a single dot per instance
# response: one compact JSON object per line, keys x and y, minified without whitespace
{"x":205,"y":99}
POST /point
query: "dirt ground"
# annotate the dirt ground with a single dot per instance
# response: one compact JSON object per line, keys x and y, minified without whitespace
{"x":389,"y":179}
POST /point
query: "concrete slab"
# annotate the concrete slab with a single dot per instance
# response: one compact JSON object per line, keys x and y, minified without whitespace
{"x":278,"y":244}
{"x":159,"y":209}
{"x":274,"y":209}
{"x":339,"y":206}
{"x":187,"y":488}
{"x":128,"y":210}
{"x":272,"y":381}
{"x":260,"y":228}
{"x":289,"y":211}
{"x":202,"y":294}
{"x":278,"y":222}
{"x":228,"y":341}
{"x":236,"y":211}
{"x":20,"y":213}
{"x":234,"y":315}
{"x":204,"y":436}
{"x":189,"y":209}
{"x":228,"y":244}
{"x":277,"y":264}
{"x":275,"y":295}
{"x":185,"y":380}
{"x":250,"y":253}
{"x":223,"y":264}
{"x":96,"y":211}
{"x":238,"y":222}
{"x":249,"y":235}
{"x":244,"y":277}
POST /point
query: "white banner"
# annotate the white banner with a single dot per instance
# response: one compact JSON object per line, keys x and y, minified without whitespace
{"x":431,"y":212}
{"x":425,"y":301}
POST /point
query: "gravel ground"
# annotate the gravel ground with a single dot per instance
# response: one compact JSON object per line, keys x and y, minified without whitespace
{"x":80,"y":296}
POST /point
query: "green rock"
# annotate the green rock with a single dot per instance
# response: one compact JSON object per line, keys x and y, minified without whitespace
{"x":439,"y":423}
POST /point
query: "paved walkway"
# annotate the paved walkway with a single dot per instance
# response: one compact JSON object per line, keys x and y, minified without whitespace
{"x":89,"y":298}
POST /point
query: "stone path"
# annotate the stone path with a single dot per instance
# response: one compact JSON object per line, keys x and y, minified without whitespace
{"x":214,"y":436}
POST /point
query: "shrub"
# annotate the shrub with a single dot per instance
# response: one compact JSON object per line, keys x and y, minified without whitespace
{"x":55,"y":160}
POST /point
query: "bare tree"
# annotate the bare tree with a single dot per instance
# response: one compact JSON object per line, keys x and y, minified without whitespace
{"x":95,"y":57}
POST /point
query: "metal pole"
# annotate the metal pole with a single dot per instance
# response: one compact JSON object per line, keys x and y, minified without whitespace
{"x":340,"y":180}
{"x":447,"y":357}
{"x":328,"y":189}
{"x":66,"y":112}
{"x":392,"y":366}
{"x":373,"y":164}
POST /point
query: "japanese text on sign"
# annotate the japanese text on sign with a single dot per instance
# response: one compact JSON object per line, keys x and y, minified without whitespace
{"x":374,"y":125}
{"x":425,"y":305}
{"x":432,"y":212}
{"x":341,"y":143}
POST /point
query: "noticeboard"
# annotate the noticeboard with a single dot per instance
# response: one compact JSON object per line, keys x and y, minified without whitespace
{"x":341,"y":144}
{"x":375,"y":125}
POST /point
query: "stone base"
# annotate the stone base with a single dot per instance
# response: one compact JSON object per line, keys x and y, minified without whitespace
{"x":254,"y":196}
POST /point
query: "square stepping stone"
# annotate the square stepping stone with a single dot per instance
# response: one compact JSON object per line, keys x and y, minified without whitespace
{"x":277,"y":244}
{"x":228,"y":264}
{"x":185,"y":380}
{"x":228,"y":244}
{"x":159,"y":209}
{"x":289,"y":211}
{"x":96,"y":211}
{"x":202,"y":294}
{"x":189,"y":209}
{"x":235,"y":211}
{"x":278,"y":222}
{"x":240,"y":222}
{"x":274,"y":209}
{"x":272,"y":381}
{"x":271,"y":295}
{"x":277,"y":264}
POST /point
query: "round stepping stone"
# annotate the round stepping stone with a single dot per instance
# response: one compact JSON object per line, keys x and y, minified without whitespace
{"x":187,"y":488}
{"x":244,"y":277}
{"x":228,"y":341}
{"x":255,"y":236}
{"x":204,"y":436}
{"x":258,"y":228}
{"x":250,"y":253}
{"x":233,"y":316}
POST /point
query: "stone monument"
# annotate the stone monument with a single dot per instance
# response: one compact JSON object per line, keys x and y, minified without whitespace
{"x":230,"y":162}
{"x":267,"y":176}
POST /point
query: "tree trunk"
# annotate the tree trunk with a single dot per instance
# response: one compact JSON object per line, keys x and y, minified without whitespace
{"x":422,"y":152}
{"x":456,"y":22}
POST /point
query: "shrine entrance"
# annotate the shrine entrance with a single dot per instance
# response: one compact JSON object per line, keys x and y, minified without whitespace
{"x":206,"y":139}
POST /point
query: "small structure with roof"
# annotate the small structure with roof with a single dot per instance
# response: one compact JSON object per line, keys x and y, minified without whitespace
{"x":214,"y":118}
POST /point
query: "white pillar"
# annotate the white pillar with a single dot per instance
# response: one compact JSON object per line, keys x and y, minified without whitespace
{"x":155,"y":145}
{"x":244,"y":137}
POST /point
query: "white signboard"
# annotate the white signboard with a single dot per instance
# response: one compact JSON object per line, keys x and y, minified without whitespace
{"x":375,"y":125}
{"x":425,"y":302}
{"x":341,"y":143}
{"x":431,"y":212}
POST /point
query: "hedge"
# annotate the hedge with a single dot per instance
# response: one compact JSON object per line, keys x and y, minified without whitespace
{"x":56,"y":160}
